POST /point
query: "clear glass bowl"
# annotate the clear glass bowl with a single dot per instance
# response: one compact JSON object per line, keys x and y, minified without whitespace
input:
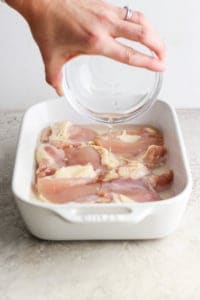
{"x":109,"y":91}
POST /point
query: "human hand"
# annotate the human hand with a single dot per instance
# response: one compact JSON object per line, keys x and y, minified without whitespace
{"x":64,"y":29}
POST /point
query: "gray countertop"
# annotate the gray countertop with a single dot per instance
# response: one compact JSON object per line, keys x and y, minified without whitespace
{"x":157,"y":269}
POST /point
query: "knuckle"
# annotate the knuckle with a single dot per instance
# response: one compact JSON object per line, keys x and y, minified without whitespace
{"x":143,"y":34}
{"x":128,"y":55}
{"x":107,"y":18}
{"x":119,"y":27}
{"x":103,"y":17}
{"x":139,"y":16}
{"x":124,"y":29}
{"x":149,"y":63}
{"x":93,"y":41}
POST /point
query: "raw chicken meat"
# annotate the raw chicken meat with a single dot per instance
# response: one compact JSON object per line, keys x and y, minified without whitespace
{"x":130,"y":143}
{"x":162,"y":181}
{"x":49,"y":159}
{"x":62,"y":191}
{"x":80,"y":134}
{"x":46,"y":132}
{"x":65,"y":134}
{"x":82,"y":156}
{"x":137,"y":189}
{"x":154,"y":156}
{"x":78,"y":164}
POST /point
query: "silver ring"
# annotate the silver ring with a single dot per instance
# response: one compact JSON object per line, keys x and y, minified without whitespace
{"x":129,"y":13}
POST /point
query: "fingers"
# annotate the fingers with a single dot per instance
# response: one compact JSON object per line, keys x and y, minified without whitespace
{"x":139,"y":29}
{"x":140,"y":19}
{"x":128,"y":30}
{"x":128,"y":55}
{"x":142,"y":35}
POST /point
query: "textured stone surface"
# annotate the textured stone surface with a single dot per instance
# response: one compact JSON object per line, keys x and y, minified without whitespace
{"x":158,"y":269}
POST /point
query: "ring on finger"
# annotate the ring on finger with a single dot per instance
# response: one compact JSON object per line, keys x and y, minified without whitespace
{"x":129,"y":13}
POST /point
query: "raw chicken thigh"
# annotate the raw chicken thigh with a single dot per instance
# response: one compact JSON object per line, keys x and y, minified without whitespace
{"x":79,"y":164}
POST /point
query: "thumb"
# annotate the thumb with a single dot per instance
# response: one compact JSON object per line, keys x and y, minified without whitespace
{"x":53,"y":70}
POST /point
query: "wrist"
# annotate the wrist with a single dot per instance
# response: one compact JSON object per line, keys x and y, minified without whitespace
{"x":29,"y":9}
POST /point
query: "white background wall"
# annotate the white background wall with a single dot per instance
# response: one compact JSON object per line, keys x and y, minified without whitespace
{"x":178,"y":22}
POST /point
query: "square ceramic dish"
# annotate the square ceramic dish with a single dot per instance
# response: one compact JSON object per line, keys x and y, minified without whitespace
{"x":99,"y":221}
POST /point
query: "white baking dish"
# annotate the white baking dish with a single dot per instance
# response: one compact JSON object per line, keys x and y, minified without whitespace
{"x":99,"y":221}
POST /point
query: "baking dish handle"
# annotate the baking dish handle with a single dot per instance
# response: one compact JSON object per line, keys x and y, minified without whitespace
{"x":105,"y":214}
